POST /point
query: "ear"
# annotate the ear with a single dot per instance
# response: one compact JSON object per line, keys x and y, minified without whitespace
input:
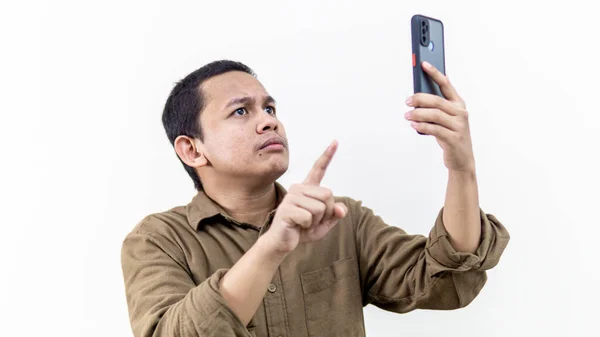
{"x":191,"y":151}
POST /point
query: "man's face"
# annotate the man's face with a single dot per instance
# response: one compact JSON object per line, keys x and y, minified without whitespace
{"x":238,"y":119}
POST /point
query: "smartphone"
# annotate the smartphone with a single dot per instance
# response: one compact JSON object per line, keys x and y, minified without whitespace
{"x":427,"y":45}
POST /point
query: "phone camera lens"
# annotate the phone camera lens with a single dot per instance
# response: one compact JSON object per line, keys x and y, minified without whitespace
{"x":423,"y":23}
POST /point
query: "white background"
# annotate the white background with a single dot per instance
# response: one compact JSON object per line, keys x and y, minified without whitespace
{"x":84,"y":155}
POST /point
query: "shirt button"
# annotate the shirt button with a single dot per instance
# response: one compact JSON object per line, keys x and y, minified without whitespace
{"x":272,"y":288}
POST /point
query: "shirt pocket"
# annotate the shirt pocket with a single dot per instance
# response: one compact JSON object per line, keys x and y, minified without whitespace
{"x":333,"y":300}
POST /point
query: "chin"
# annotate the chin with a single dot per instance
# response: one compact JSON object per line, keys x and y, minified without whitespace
{"x":276,"y":168}
{"x":280,"y":168}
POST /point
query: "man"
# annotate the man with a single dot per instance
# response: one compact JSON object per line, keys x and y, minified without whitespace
{"x":247,"y":258}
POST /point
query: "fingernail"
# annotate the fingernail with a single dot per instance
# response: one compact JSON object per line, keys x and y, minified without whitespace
{"x":409,"y":101}
{"x":426,"y":64}
{"x":413,"y":124}
{"x":407,"y":115}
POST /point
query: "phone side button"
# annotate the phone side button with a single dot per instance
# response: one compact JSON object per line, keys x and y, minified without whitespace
{"x":414,"y":59}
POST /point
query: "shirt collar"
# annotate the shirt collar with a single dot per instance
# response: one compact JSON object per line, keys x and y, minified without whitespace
{"x":203,"y":207}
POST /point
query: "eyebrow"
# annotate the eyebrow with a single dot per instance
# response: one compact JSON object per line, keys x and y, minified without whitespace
{"x":249,"y":100}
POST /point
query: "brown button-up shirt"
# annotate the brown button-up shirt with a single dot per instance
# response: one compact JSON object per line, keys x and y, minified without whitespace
{"x":172,"y":263}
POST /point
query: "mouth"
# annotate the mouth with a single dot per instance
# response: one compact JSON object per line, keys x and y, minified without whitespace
{"x":275,"y":143}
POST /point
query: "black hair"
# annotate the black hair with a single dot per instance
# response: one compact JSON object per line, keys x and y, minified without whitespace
{"x":181,"y":114}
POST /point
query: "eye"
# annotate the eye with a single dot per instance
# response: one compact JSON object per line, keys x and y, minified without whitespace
{"x":240,"y":111}
{"x":270,"y":110}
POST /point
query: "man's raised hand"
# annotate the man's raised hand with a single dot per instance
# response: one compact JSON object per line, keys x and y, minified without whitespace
{"x":308,"y":211}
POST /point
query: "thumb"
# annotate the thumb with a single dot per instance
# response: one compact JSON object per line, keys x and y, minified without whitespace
{"x":340,"y":210}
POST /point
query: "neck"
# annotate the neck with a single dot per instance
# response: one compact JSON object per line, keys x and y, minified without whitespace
{"x":247,"y":204}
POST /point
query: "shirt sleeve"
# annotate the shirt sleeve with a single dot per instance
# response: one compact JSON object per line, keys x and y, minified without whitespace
{"x":162,"y":298}
{"x":402,"y":272}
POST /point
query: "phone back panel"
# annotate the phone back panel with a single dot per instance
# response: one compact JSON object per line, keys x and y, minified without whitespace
{"x":435,"y":56}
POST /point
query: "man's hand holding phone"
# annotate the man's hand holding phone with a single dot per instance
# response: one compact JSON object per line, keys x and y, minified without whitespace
{"x":446,"y":118}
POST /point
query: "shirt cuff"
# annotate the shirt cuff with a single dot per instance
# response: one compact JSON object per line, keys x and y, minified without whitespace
{"x":441,"y":256}
{"x":208,"y":296}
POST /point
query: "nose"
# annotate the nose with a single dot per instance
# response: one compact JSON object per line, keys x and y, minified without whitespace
{"x":267,"y":123}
